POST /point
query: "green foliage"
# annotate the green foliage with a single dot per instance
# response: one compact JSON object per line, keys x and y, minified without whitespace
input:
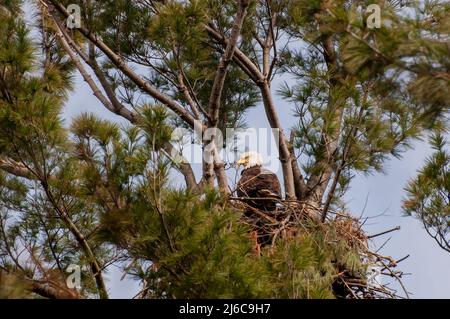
{"x":411,"y":44}
{"x":307,"y":265}
{"x":187,"y":246}
{"x":180,"y":24}
{"x":199,"y":249}
{"x":363,"y":94}
{"x":429,"y":193}
{"x":31,"y":97}
{"x":41,"y":209}
{"x":154,"y":124}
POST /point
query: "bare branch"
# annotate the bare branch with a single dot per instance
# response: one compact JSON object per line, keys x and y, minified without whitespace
{"x":221,"y":73}
{"x":123,"y":67}
{"x":384,"y":232}
{"x":184,"y":167}
{"x":239,"y":57}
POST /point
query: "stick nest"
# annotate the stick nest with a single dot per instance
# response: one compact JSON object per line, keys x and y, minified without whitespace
{"x":291,"y":219}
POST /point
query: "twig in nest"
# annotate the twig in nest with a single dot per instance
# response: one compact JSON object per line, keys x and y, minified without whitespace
{"x":261,"y":214}
{"x":385,"y":232}
{"x":401,"y":259}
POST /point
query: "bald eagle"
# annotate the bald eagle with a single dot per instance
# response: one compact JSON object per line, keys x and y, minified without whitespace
{"x":259,"y":187}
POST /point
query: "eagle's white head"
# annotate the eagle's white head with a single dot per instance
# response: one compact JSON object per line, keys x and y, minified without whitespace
{"x":250,"y":159}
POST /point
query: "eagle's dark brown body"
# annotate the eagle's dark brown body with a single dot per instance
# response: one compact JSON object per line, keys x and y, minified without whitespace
{"x":260,"y":188}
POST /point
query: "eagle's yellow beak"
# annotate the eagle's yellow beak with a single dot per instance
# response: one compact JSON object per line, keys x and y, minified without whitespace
{"x":241,"y":162}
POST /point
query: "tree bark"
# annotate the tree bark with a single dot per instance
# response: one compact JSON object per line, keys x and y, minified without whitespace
{"x":51,"y":292}
{"x":299,"y":182}
{"x":184,"y":168}
{"x":221,"y":73}
{"x":255,"y":74}
{"x":15,"y":168}
{"x":216,"y":92}
{"x":284,"y":153}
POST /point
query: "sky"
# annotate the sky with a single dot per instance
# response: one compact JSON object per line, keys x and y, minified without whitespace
{"x":378,"y":196}
{"x":374,"y":195}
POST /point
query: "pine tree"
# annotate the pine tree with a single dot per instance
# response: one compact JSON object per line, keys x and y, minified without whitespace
{"x":94,"y":193}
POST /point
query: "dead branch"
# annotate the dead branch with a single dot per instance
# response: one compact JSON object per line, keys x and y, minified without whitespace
{"x":384,"y":232}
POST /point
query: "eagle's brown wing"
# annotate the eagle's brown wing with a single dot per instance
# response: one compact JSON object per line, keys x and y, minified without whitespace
{"x":259,"y":183}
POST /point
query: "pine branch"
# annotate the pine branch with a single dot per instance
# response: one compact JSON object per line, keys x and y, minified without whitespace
{"x":86,"y":76}
{"x":299,"y":182}
{"x":112,"y":103}
{"x":46,"y":290}
{"x":216,"y":92}
{"x":187,"y":95}
{"x":174,"y":106}
{"x":86,"y":247}
{"x":317,"y":184}
{"x":284,"y":152}
{"x":239,"y":57}
{"x":122,"y":66}
{"x":221,"y":73}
